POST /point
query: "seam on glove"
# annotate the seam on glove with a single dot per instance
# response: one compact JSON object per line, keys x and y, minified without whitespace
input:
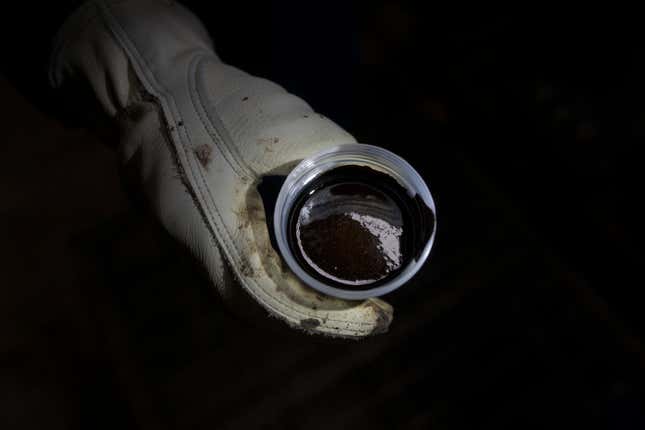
{"x":230,"y":242}
{"x":147,"y":76}
{"x":231,"y":250}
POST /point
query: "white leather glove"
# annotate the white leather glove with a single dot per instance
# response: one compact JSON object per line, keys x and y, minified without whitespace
{"x":199,"y":136}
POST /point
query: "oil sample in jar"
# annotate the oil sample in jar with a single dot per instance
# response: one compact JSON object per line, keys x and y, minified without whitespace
{"x":355,"y":228}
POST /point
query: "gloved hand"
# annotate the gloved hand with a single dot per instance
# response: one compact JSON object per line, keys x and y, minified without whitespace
{"x":198,"y":136}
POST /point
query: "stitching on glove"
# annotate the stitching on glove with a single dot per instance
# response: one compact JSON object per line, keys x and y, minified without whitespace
{"x":229,"y":246}
{"x":129,"y":46}
{"x":236,"y":258}
{"x":227,"y":240}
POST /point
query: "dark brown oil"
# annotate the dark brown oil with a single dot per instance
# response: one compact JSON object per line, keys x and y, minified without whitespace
{"x":354,"y":227}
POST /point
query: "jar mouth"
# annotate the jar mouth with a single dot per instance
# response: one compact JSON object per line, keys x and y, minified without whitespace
{"x":377,"y":159}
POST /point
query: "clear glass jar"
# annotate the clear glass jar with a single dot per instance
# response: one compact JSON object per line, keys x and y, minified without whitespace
{"x":376,"y":158}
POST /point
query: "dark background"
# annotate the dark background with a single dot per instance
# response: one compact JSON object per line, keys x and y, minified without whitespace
{"x":528,"y":128}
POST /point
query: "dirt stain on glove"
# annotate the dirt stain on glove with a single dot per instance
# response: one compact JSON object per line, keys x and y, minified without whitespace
{"x":204,"y":153}
{"x":309,"y":323}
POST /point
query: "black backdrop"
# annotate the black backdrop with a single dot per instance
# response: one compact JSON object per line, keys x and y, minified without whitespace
{"x":528,"y":128}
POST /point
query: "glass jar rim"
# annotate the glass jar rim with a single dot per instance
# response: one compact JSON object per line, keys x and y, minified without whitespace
{"x":371,"y":156}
